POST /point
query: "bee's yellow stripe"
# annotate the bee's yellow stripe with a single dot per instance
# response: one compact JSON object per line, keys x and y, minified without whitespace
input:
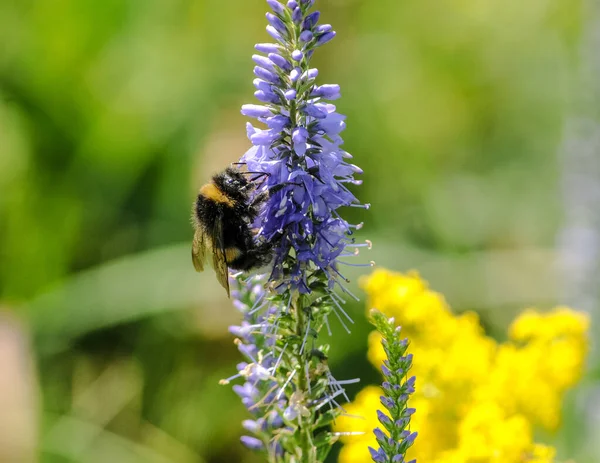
{"x":211,"y":191}
{"x":231,"y":254}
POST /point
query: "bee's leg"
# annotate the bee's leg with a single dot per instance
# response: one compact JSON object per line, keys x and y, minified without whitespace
{"x":259,"y":199}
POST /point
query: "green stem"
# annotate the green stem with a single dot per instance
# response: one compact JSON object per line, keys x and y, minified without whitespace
{"x":309,"y":453}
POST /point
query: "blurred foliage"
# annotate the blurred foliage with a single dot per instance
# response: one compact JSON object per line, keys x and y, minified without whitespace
{"x":113,"y":113}
{"x":477,"y":400}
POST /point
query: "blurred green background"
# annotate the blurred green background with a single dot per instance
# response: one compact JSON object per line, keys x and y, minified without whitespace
{"x":113,"y":113}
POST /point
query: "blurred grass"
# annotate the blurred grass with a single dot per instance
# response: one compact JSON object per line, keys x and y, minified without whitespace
{"x":113,"y":113}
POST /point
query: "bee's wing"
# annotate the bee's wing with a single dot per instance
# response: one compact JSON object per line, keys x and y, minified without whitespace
{"x":199,"y":249}
{"x":219,"y":260}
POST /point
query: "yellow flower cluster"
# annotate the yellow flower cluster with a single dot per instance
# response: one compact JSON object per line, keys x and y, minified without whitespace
{"x":477,"y":400}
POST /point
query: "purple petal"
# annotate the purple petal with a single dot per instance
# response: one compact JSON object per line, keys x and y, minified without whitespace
{"x":262,"y":85}
{"x":276,"y":6}
{"x":277,"y":24}
{"x":273,"y":33}
{"x":266,"y":75}
{"x":277,"y":123}
{"x":299,"y":135}
{"x":383,"y":418}
{"x":310,"y":74}
{"x":295,"y":74}
{"x":297,"y":15}
{"x":306,"y":36}
{"x":253,"y":110}
{"x":323,"y":28}
{"x":280,"y":61}
{"x":252,"y":442}
{"x":267,"y":47}
{"x":313,"y":111}
{"x":327,"y":91}
{"x":263,"y":137}
{"x":311,"y":20}
{"x":378,"y":456}
{"x":266,"y":97}
{"x":379,"y":434}
{"x":251,"y":425}
{"x":326,"y":37}
{"x":263,"y":62}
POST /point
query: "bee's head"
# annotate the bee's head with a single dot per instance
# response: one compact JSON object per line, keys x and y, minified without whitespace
{"x":232,"y":182}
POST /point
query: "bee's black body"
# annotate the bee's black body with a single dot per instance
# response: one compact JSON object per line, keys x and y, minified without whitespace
{"x":223,"y":214}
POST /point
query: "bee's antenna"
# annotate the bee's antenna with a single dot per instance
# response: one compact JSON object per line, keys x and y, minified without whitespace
{"x":264,"y":177}
{"x":239,"y":163}
{"x":281,"y":186}
{"x":258,"y":173}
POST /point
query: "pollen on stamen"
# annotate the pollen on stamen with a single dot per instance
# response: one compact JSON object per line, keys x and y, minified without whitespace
{"x":358,"y":226}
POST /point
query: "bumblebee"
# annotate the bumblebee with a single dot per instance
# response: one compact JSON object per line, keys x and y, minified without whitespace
{"x":222,"y":216}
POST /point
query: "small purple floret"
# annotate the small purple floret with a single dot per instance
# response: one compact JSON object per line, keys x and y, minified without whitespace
{"x":276,"y":6}
{"x":326,"y":37}
{"x":277,"y":23}
{"x":252,"y":443}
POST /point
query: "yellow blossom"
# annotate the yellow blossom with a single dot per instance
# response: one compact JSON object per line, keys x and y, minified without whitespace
{"x":477,"y":401}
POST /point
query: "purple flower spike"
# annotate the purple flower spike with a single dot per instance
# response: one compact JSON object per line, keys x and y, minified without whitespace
{"x":285,"y":218}
{"x":302,"y":176}
{"x":393,"y":444}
